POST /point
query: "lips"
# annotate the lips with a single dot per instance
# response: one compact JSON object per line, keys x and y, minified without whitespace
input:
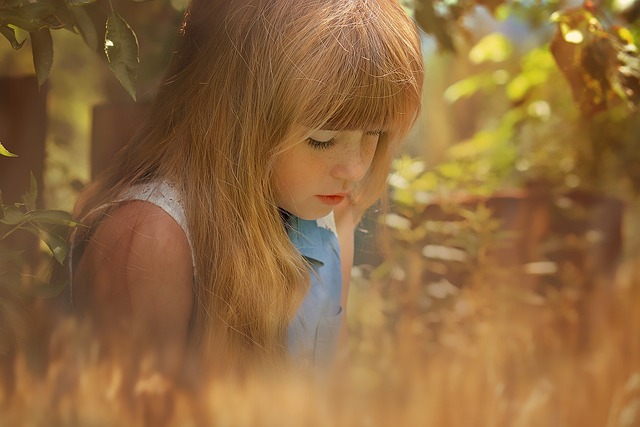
{"x":332,"y":199}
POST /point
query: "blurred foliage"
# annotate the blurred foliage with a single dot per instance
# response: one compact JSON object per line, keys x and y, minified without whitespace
{"x":25,"y":276}
{"x":528,"y":128}
{"x":18,"y":282}
{"x":446,"y":20}
{"x":542,"y":164}
{"x":21,"y":19}
{"x":600,"y":61}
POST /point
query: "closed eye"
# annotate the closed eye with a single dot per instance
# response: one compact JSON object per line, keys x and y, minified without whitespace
{"x":325,"y":145}
{"x":321,"y":145}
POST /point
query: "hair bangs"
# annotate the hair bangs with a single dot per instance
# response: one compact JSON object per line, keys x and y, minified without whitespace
{"x":364,"y":75}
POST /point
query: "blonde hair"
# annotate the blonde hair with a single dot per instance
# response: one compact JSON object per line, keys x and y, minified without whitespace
{"x":247,"y":74}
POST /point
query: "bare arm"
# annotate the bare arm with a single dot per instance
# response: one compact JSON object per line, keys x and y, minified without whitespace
{"x":135,"y":280}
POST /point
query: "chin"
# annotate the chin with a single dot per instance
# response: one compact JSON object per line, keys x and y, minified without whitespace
{"x":311,"y":216}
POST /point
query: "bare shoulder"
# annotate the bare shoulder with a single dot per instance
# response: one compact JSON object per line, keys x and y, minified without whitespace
{"x":147,"y":227}
{"x":137,"y":269}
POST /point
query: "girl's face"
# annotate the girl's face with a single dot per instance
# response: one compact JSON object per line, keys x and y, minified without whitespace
{"x":316,"y":174}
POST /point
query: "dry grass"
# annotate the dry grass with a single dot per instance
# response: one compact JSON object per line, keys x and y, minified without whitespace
{"x":496,"y":352}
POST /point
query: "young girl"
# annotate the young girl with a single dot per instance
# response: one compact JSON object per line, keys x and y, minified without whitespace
{"x":226,"y":226}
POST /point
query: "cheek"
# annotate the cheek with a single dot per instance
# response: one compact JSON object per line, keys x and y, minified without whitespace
{"x":289,"y":174}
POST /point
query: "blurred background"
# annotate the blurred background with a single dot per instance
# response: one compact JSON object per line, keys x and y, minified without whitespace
{"x":508,"y":294}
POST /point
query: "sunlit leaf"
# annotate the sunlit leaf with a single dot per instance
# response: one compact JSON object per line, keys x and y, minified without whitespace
{"x":56,"y":243}
{"x":452,"y":170}
{"x":602,"y":66}
{"x":467,"y":87}
{"x":481,"y":142}
{"x":121,"y":48}
{"x":426,"y":182}
{"x":5,"y":152}
{"x":42,"y":47}
{"x":539,"y":58}
{"x":570,"y":34}
{"x":494,"y":47}
{"x":403,"y":196}
{"x":518,"y":87}
{"x":397,"y":181}
{"x":624,"y":34}
{"x":397,"y":222}
{"x":491,"y":5}
{"x":556,"y":16}
{"x":409,"y":168}
{"x":16,"y":36}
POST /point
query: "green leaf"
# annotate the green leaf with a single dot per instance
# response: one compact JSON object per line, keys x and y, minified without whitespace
{"x":451,"y":170}
{"x":51,"y":216}
{"x":31,"y":16}
{"x":54,"y":241}
{"x":86,"y":27}
{"x":30,"y":197}
{"x":79,"y":2}
{"x":63,"y":15}
{"x":467,"y":87}
{"x":494,"y":47}
{"x":42,"y":46}
{"x":5,"y":152}
{"x":121,"y":48}
{"x":19,"y":19}
{"x":404,"y":197}
{"x":14,"y":35}
{"x":427,"y":182}
{"x":12,"y":216}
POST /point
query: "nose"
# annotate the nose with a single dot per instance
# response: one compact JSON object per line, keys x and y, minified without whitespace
{"x":355,"y":158}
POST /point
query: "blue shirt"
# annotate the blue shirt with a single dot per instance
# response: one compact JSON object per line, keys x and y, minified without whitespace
{"x":314,"y":332}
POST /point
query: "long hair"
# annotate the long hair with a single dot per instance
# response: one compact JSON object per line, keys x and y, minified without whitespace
{"x":248,"y":78}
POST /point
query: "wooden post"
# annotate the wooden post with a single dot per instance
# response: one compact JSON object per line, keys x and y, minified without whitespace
{"x":23,"y":130}
{"x":113,"y":126}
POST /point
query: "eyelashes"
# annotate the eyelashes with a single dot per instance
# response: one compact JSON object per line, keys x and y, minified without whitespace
{"x":321,"y":145}
{"x":325,"y":145}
